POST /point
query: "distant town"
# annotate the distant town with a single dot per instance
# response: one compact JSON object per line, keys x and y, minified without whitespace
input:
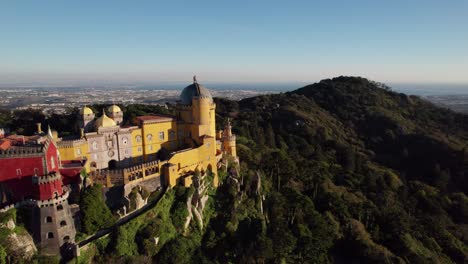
{"x":58,"y":99}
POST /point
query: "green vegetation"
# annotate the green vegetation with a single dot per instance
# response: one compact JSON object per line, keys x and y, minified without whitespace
{"x":138,"y":235}
{"x":23,"y":122}
{"x":3,"y":255}
{"x":344,"y":170}
{"x":381,"y":173}
{"x":95,"y":213}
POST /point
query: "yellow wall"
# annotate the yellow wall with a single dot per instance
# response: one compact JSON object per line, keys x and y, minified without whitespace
{"x":188,"y":160}
{"x":73,"y":153}
{"x":154,"y":145}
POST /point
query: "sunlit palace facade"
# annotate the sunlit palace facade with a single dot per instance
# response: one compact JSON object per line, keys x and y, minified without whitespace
{"x":169,"y":147}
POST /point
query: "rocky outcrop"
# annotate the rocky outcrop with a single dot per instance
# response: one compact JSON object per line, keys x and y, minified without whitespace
{"x":197,"y":201}
{"x":136,"y":200}
{"x":18,"y":243}
{"x":139,"y":201}
{"x":190,"y":215}
{"x":20,"y":246}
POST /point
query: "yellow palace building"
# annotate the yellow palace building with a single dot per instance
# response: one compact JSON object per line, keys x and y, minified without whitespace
{"x":170,"y":148}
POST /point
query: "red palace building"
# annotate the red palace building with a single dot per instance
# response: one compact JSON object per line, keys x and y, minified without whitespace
{"x":31,"y":177}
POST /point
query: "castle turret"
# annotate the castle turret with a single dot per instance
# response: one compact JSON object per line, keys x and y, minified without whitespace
{"x":196,"y":107}
{"x":115,"y":113}
{"x":86,"y":118}
{"x":31,"y":174}
{"x":229,"y":140}
{"x":51,"y":222}
{"x":39,"y":128}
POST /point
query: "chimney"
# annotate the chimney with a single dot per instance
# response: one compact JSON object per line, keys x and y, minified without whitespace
{"x":39,"y":129}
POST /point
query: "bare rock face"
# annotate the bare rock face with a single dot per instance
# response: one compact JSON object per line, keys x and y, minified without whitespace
{"x":21,"y":246}
{"x":11,"y":224}
{"x":139,"y":202}
{"x":18,"y":243}
{"x":189,"y":216}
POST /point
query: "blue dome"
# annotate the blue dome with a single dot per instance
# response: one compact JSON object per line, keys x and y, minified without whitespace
{"x":194,"y":90}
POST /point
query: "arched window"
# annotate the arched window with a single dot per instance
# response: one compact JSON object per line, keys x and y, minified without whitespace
{"x":149,"y":137}
{"x":63,"y":223}
{"x":138,"y":138}
{"x":95,"y":145}
{"x":50,"y":235}
{"x":48,"y":219}
{"x":59,"y":207}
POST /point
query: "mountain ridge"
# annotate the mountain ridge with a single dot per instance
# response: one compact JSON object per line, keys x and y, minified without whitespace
{"x":350,"y":144}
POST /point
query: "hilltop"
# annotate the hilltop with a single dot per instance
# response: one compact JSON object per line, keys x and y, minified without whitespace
{"x":355,"y":171}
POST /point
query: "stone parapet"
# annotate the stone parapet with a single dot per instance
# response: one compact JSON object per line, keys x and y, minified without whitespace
{"x":22,"y":151}
{"x":51,"y":177}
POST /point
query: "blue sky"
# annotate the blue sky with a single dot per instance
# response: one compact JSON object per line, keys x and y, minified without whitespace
{"x":67,"y":42}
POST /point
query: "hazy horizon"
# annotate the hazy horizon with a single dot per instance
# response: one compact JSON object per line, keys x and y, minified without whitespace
{"x":57,"y":43}
{"x":421,"y":89}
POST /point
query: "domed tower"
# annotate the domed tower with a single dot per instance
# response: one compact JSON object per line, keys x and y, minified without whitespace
{"x":104,"y":121}
{"x":86,"y":118}
{"x":197,"y":109}
{"x":115,"y":113}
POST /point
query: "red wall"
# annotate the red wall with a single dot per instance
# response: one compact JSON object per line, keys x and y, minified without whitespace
{"x":46,"y":191}
{"x":52,"y":152}
{"x":21,"y":186}
{"x":70,"y":175}
{"x":8,"y":167}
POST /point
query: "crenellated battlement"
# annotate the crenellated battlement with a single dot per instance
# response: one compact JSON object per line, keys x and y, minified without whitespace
{"x":39,"y":203}
{"x":23,"y":151}
{"x":51,"y":177}
{"x":70,"y":143}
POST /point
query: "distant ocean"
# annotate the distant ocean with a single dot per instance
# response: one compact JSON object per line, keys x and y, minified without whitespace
{"x":412,"y":89}
{"x":407,"y":88}
{"x":431,"y":89}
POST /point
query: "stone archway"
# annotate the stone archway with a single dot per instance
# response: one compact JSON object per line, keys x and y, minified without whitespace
{"x":112,"y":165}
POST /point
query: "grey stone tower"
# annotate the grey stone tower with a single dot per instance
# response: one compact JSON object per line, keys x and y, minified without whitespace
{"x":51,"y":219}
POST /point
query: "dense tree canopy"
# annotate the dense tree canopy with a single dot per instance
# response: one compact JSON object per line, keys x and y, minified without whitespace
{"x":94,"y":211}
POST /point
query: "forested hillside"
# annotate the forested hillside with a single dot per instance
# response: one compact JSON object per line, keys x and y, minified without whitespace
{"x":341,"y":171}
{"x":350,"y":171}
